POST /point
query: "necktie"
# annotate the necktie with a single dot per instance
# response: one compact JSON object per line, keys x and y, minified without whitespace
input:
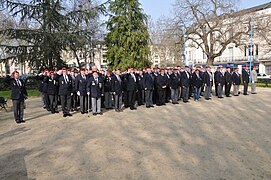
{"x":18,"y":82}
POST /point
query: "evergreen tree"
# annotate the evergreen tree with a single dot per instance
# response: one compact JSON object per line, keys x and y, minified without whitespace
{"x":128,"y":37}
{"x":46,"y":28}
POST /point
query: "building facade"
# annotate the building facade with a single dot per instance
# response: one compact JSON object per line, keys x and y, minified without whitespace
{"x":240,"y":55}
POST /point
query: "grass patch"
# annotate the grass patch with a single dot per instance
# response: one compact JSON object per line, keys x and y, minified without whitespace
{"x":31,"y":93}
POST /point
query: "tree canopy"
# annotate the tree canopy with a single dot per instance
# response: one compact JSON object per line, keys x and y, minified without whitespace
{"x":47,"y":27}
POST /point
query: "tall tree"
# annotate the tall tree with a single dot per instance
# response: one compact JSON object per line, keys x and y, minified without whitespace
{"x":45,"y":29}
{"x":211,"y":25}
{"x":128,"y":37}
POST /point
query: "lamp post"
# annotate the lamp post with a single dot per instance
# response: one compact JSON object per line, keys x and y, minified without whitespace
{"x":251,"y":45}
{"x":184,"y":44}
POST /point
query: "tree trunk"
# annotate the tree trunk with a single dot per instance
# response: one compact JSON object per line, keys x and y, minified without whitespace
{"x":210,"y":61}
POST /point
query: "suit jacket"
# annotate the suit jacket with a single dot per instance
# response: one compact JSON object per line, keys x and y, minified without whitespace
{"x":220,"y":78}
{"x":131,"y":83}
{"x":196,"y":80}
{"x":185,"y":80}
{"x":107,"y":83}
{"x":207,"y":79}
{"x":116,"y":85}
{"x":140,"y":81}
{"x":245,"y":76}
{"x":162,"y":81}
{"x":18,"y":92}
{"x":148,"y":81}
{"x":96,"y":89}
{"x":81,"y":84}
{"x":51,"y":85}
{"x":216,"y":76}
{"x":228,"y":79}
{"x":65,"y":87}
{"x":236,"y":80}
{"x":174,"y":81}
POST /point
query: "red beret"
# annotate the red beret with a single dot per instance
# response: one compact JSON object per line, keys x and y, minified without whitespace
{"x":63,"y":69}
{"x":51,"y":72}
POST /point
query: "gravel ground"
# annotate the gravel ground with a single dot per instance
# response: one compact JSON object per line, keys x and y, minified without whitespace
{"x":221,"y":139}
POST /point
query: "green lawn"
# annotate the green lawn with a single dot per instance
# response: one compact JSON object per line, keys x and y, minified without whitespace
{"x":31,"y":93}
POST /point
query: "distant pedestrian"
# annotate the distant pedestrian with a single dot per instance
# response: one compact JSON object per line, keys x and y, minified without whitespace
{"x":254,"y":80}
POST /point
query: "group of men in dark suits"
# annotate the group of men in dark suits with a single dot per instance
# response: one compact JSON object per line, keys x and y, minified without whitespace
{"x":93,"y":90}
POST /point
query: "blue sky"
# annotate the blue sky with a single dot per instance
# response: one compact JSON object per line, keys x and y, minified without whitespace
{"x":157,"y":8}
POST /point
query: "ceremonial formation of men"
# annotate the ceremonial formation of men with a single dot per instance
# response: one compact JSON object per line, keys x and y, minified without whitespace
{"x":91,"y":90}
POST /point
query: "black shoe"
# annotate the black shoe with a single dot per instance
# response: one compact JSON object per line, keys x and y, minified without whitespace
{"x":22,"y":121}
{"x":64,"y":115}
{"x":228,"y":96}
{"x":220,"y":97}
{"x":152,"y":106}
{"x":147,"y":106}
{"x":53,"y":112}
{"x":253,"y":93}
{"x":94,"y":114}
{"x":56,"y":111}
{"x":208,"y":98}
{"x":18,"y":121}
{"x":100,"y":113}
{"x":186,"y":101}
{"x":69,"y":114}
{"x":117,"y":110}
{"x":82,"y":112}
{"x":236,"y":95}
{"x":246,"y":94}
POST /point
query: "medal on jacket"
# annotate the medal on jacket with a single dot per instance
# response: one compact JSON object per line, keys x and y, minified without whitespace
{"x":62,"y":82}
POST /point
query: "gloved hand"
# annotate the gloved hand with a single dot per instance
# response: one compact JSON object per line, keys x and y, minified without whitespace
{"x":78,"y":93}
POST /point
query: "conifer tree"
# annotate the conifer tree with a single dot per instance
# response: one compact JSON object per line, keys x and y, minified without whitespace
{"x":128,"y":37}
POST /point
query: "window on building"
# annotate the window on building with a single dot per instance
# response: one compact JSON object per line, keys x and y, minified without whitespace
{"x":256,"y":49}
{"x":230,"y":53}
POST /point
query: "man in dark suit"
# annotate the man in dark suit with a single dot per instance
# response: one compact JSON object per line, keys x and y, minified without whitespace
{"x":220,"y":80}
{"x":228,"y":82}
{"x":185,"y":81}
{"x":148,"y":84}
{"x":131,"y":88}
{"x":52,"y":92}
{"x":81,"y":90}
{"x":174,"y":86}
{"x":65,"y":91}
{"x":107,"y":91}
{"x":116,"y":87}
{"x":245,"y":78}
{"x":236,"y":81}
{"x":95,"y":88}
{"x":18,"y":96}
{"x":208,"y":82}
{"x":141,"y":91}
{"x":196,"y":82}
{"x":162,"y":83}
{"x":216,"y":76}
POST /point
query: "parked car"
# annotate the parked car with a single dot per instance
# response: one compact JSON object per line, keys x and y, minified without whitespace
{"x":263,"y":76}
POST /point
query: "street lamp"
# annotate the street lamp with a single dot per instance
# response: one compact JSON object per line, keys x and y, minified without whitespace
{"x":251,"y":45}
{"x":184,"y":43}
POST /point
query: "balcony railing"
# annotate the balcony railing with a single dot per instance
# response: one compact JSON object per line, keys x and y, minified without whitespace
{"x":234,"y":59}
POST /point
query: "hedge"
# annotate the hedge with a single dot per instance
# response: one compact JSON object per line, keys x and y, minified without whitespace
{"x":31,"y":83}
